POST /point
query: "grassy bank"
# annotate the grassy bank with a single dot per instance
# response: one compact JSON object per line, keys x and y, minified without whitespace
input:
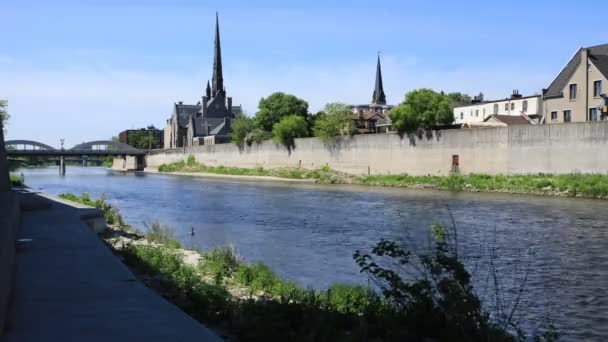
{"x":249,"y":302}
{"x":573,"y":185}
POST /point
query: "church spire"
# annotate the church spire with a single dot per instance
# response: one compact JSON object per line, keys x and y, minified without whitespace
{"x":378,"y":97}
{"x":218,"y":80}
{"x":208,"y":90}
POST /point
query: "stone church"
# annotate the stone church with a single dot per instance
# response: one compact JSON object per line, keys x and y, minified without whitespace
{"x":208,"y":121}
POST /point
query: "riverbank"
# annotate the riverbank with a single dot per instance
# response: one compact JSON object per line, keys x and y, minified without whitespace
{"x":569,"y":185}
{"x":249,"y":302}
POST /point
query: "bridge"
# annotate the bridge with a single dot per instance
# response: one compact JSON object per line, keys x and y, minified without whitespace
{"x":91,"y":148}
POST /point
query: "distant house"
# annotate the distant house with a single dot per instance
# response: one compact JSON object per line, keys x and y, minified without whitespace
{"x":208,"y":121}
{"x":373,"y":118}
{"x":578,"y":93}
{"x":516,"y":105}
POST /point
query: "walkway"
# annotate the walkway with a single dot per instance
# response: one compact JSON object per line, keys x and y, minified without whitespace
{"x":70,"y":287}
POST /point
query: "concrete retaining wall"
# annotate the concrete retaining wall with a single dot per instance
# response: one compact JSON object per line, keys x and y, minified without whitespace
{"x":561,"y":148}
{"x":10,"y":218}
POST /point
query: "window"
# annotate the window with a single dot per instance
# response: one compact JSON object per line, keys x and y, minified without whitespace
{"x":496,"y":108}
{"x":506,"y":107}
{"x":553,"y":115}
{"x":573,"y":91}
{"x":461,"y":115}
{"x":597,"y":88}
{"x":471,"y":113}
{"x":512,"y":105}
{"x":476,"y":112}
{"x":484,"y":112}
{"x":567,"y":115}
{"x":593,"y":114}
{"x":525,"y":106}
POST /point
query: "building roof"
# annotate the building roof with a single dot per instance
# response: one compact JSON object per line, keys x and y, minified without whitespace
{"x":184,"y":112}
{"x":367,"y":115}
{"x":558,"y":84}
{"x":601,"y":63}
{"x":508,"y":120}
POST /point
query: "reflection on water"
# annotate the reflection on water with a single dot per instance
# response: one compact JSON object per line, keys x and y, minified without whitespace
{"x":308,"y":232}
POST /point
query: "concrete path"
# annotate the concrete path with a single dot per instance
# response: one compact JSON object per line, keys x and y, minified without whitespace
{"x":70,"y":287}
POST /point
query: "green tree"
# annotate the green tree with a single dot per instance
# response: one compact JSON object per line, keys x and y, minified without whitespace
{"x":422,"y":109}
{"x":277,"y":106}
{"x":142,"y":140}
{"x":240,"y":127}
{"x":334,"y":121}
{"x":4,"y":116}
{"x":290,"y":127}
{"x":459,"y":98}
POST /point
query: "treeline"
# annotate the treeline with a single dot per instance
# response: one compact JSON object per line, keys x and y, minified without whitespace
{"x":285,"y":117}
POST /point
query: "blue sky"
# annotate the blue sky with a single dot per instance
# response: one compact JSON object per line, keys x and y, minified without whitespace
{"x":88,"y":69}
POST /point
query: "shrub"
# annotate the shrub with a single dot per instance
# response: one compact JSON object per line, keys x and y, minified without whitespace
{"x":191,"y":161}
{"x":258,"y":276}
{"x":16,"y":181}
{"x":111,"y":214}
{"x":163,"y":235}
{"x":240,"y":128}
{"x":290,"y":127}
{"x":220,"y":262}
{"x":349,"y":298}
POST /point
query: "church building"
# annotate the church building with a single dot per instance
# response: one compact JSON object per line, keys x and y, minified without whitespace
{"x":373,"y":118}
{"x":208,"y":121}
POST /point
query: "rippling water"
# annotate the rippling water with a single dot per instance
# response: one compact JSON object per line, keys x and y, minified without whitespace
{"x":308,"y":233}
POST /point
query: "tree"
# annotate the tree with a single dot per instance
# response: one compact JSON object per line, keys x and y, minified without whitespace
{"x":240,"y":127}
{"x":334,"y":121}
{"x":290,"y":127}
{"x":277,"y":106}
{"x":459,"y":98}
{"x":422,"y":109}
{"x":4,"y":116}
{"x":142,"y":140}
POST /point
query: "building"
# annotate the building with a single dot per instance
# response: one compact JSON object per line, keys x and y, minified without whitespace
{"x":372,"y":118}
{"x":132,"y":136}
{"x":498,"y":121}
{"x":208,"y":121}
{"x":578,"y":93}
{"x":529,"y":107}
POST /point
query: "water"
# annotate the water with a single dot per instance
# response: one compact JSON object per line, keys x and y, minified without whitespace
{"x":308,"y":233}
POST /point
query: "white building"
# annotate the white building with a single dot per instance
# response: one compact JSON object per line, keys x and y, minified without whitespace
{"x":515,"y":105}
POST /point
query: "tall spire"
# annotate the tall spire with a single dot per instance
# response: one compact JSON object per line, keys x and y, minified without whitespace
{"x":208,"y":90}
{"x":217,"y":84}
{"x":379,"y":98}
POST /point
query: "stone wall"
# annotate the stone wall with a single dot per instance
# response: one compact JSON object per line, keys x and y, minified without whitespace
{"x":560,"y":148}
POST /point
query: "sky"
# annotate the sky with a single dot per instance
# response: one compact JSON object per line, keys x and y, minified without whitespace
{"x":86,"y":70}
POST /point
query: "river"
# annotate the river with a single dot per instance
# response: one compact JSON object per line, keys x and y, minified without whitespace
{"x":308,"y":232}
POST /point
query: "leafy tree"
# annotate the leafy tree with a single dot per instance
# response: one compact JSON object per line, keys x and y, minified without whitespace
{"x":289,"y":128}
{"x":142,"y":140}
{"x":459,"y":98}
{"x":334,"y":121}
{"x":240,"y":127}
{"x":422,"y":109}
{"x":277,"y":106}
{"x":257,"y":136}
{"x":4,"y":116}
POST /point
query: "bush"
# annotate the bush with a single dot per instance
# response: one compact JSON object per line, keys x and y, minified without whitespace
{"x":240,"y":128}
{"x":258,"y":276}
{"x":349,"y":298}
{"x":163,"y":235}
{"x":16,"y":181}
{"x":191,"y":161}
{"x":220,"y":262}
{"x":257,"y":136}
{"x":111,"y":214}
{"x":289,"y":128}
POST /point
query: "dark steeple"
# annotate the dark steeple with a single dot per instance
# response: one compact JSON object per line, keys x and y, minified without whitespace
{"x":217,"y":84}
{"x":208,"y":90}
{"x":379,"y":98}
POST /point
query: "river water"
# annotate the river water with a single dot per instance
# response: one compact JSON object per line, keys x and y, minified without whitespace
{"x":308,"y":232}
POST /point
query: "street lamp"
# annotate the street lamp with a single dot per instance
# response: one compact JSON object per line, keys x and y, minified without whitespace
{"x":62,"y":140}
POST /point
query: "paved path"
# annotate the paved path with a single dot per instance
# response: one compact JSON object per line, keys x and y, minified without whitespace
{"x":70,"y":287}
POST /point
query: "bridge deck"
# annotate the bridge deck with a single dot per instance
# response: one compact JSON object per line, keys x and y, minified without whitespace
{"x":58,"y":153}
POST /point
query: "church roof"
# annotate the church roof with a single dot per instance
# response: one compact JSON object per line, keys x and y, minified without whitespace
{"x":209,"y":126}
{"x":183,"y":112}
{"x":378,"y":97}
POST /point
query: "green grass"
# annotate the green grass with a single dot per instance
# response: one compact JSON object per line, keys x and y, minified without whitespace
{"x":164,"y":235}
{"x":111,"y":214}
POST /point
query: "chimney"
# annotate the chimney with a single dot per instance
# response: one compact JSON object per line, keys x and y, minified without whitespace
{"x":229,"y":105}
{"x":204,"y":101}
{"x":180,"y":103}
{"x":516,"y":95}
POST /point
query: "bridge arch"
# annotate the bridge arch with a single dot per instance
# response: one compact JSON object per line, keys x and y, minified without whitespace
{"x":115,"y":144}
{"x":29,"y":143}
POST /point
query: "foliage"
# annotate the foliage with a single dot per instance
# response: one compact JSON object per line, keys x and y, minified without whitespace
{"x":241,"y":127}
{"x":257,"y":136}
{"x":422,"y":109}
{"x":334,"y":122}
{"x":220,"y":263}
{"x":289,"y":128}
{"x":4,"y":115}
{"x":142,"y":140}
{"x":459,"y":99}
{"x":257,"y":276}
{"x":111,"y":214}
{"x":164,"y":235}
{"x":191,"y":161}
{"x":172,"y":167}
{"x":277,"y":106}
{"x":16,"y":181}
